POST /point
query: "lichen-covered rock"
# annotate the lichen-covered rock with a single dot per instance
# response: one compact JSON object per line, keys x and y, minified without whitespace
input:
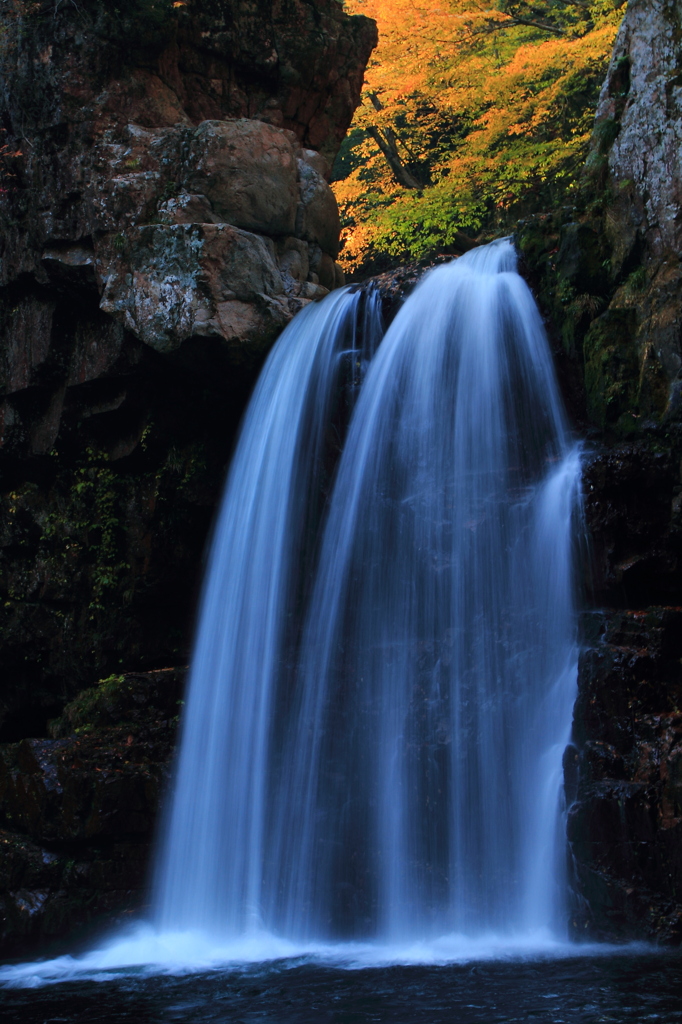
{"x":174,"y":281}
{"x":637,"y":146}
{"x":165,"y":281}
{"x":184,"y":114}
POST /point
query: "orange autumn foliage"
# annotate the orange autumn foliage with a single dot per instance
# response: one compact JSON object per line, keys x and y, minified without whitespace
{"x":489,"y":107}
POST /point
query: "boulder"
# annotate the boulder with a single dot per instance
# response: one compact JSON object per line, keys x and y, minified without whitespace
{"x":247,"y":169}
{"x":171,"y":280}
{"x":318,"y":219}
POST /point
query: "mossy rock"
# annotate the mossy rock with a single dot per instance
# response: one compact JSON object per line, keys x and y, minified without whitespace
{"x":612,"y":368}
{"x":582,"y":259}
{"x":120,"y":700}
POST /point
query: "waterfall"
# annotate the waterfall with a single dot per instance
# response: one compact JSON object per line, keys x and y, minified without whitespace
{"x":210,"y":867}
{"x":384,"y":672}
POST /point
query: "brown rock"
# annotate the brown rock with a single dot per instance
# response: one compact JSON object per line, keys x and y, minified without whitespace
{"x":319,"y":216}
{"x":168,"y":286}
{"x":247,"y":169}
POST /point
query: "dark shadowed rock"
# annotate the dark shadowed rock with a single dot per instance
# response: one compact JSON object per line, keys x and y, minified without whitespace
{"x":625,"y":824}
{"x":151,"y":249}
{"x":78,"y":811}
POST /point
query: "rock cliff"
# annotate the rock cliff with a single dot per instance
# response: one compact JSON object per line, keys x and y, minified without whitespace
{"x":609,"y":269}
{"x":164,"y":215}
{"x":79,"y":809}
{"x":636,"y":343}
{"x":608,"y":274}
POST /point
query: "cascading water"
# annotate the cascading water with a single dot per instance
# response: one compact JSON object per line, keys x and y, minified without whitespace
{"x":211,"y":866}
{"x":384,"y":672}
{"x":375,"y":723}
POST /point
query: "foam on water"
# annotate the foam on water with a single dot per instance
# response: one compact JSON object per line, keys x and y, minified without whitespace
{"x":146,"y":952}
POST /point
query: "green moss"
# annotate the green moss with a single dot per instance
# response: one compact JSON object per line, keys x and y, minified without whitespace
{"x":604,"y":135}
{"x":637,"y":281}
{"x":87,"y":521}
{"x":125,"y":701}
{"x":612,"y":369}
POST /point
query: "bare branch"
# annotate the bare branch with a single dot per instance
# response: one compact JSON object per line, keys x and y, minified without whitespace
{"x":387,"y":142}
{"x":388,"y":148}
{"x":533,"y":24}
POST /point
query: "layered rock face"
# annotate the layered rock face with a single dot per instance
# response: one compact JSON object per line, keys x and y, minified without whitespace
{"x":164,"y":215}
{"x":634,"y":349}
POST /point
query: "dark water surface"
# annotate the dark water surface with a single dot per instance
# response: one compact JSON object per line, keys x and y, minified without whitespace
{"x":613,"y":987}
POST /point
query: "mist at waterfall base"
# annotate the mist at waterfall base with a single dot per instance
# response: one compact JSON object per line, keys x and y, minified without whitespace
{"x":370,"y":764}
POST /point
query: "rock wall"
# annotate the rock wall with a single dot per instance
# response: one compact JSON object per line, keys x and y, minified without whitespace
{"x":625,"y":777}
{"x":636,"y":344}
{"x":607,"y":273}
{"x":609,"y":270}
{"x":164,"y":213}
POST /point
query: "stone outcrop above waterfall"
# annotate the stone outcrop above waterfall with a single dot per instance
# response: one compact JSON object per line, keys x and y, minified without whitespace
{"x":169,"y":116}
{"x":164,"y":213}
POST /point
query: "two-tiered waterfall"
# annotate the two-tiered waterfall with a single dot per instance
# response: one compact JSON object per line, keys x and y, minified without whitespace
{"x":384,"y":671}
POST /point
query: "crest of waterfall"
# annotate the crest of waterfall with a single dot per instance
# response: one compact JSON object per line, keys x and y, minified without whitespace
{"x":384,"y":675}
